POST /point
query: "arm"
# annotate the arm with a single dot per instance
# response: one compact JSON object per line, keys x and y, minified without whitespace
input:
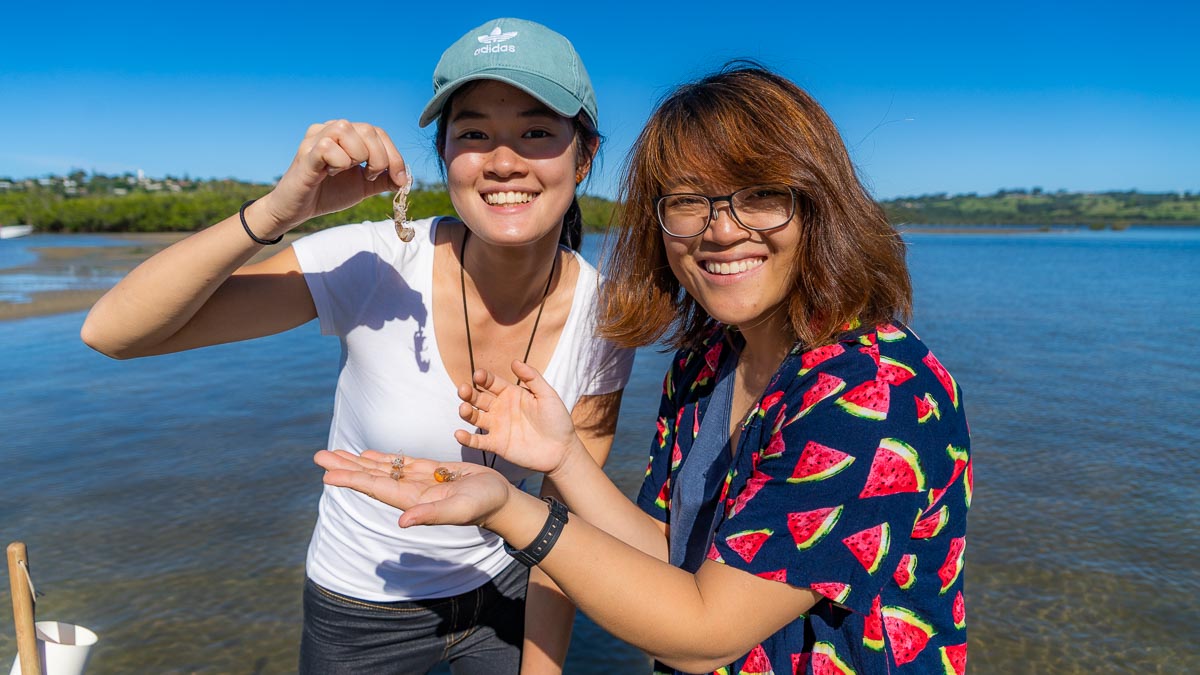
{"x":197,"y":293}
{"x":548,"y":613}
{"x":683,"y":620}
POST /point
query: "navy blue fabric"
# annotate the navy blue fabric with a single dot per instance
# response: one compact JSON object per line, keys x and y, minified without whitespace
{"x":695,"y":495}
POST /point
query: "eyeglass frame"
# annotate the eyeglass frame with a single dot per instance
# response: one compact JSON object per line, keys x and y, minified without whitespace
{"x":712,"y":210}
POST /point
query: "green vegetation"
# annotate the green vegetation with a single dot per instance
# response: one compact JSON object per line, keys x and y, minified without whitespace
{"x":1035,"y":207}
{"x":82,"y":202}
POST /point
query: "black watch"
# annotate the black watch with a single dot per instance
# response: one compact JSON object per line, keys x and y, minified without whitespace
{"x":537,"y":551}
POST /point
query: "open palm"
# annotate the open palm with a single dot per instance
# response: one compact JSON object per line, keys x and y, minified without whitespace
{"x":475,"y":494}
{"x":527,"y":425}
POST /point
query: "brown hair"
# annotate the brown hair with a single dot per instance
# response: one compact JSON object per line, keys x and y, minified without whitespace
{"x":741,"y":126}
{"x":586,"y":134}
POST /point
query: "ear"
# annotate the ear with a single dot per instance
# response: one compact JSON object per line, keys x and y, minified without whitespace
{"x":585,"y":164}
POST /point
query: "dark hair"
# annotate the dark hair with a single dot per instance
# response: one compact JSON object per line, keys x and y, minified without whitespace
{"x":746,"y":125}
{"x":586,"y":134}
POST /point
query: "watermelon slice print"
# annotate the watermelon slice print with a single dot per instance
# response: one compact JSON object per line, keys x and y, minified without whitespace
{"x":714,"y":554}
{"x":774,"y":575}
{"x":676,"y":456}
{"x":954,"y":659}
{"x":870,"y":546}
{"x":664,"y":495}
{"x":812,"y":359}
{"x":927,"y":408}
{"x":873,"y":627}
{"x":800,"y":662}
{"x":950,"y":569}
{"x":748,"y":542}
{"x":931,"y":526}
{"x":907,"y":633}
{"x":711,"y":359}
{"x":827,"y":385}
{"x":663,"y":433}
{"x":889,"y":333}
{"x":757,"y":663}
{"x":809,"y":527}
{"x":959,"y":611}
{"x":969,"y":485}
{"x":906,"y":572}
{"x":871,"y":350}
{"x":869,"y":400}
{"x":825,"y":661}
{"x":943,"y":376}
{"x":835,"y":591}
{"x":960,"y":459}
{"x":768,"y":402}
{"x":753,"y":485}
{"x":893,"y":372}
{"x":818,"y":462}
{"x":894,"y":470}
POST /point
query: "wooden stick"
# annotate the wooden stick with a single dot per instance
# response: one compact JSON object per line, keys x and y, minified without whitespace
{"x":22,"y":600}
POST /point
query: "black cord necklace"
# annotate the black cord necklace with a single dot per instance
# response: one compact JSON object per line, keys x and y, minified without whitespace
{"x":462,"y":284}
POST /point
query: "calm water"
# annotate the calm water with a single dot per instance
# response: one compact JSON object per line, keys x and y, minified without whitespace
{"x":167,"y":502}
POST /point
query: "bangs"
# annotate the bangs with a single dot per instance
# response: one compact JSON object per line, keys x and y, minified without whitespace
{"x":700,"y":139}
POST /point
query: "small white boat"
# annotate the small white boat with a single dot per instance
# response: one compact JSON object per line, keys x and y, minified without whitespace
{"x":14,"y":231}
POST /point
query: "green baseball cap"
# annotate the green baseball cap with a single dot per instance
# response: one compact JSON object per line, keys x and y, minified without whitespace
{"x":522,"y":53}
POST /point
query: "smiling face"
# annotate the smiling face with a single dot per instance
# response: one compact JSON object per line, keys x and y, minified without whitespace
{"x":510,"y":163}
{"x":740,"y":277}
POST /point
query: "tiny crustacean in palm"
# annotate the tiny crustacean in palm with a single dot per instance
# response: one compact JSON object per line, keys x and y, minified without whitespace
{"x":444,"y":475}
{"x":400,"y":212}
{"x":397,"y":467}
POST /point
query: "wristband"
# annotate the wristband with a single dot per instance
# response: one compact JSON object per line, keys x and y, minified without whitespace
{"x":536,"y":552}
{"x":256,"y":238}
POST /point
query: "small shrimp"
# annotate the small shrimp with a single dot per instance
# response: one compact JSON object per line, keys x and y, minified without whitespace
{"x":400,"y":212}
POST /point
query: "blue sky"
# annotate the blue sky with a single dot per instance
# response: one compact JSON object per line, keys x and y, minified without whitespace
{"x":929,"y":97}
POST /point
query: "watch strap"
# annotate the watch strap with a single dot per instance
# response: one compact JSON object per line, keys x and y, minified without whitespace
{"x":535,"y":552}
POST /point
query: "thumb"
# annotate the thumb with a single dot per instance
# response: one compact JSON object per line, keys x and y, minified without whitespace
{"x":533,"y":380}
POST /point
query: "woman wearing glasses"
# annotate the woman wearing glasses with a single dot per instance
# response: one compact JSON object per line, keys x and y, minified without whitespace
{"x":804,"y":508}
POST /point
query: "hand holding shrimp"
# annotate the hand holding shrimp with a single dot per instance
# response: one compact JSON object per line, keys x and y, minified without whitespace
{"x":338,"y":164}
{"x":470,"y":498}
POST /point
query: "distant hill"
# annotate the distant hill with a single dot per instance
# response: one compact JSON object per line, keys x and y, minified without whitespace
{"x":1035,"y":207}
{"x":82,"y":202}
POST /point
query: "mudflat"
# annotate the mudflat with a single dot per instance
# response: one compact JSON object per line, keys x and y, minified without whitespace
{"x":101,"y":261}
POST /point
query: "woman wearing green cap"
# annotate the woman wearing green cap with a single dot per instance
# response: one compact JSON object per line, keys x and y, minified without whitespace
{"x":516,"y":133}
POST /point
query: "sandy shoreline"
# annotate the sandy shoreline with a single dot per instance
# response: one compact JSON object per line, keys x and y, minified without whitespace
{"x":93,"y":260}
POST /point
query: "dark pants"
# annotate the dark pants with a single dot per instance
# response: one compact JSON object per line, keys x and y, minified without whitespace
{"x":478,"y":632}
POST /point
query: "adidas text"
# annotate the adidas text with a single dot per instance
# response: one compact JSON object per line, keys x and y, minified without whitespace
{"x":495,"y":49}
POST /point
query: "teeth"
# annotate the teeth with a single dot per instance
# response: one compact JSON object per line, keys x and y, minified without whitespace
{"x":503,"y":198}
{"x":732,"y":268}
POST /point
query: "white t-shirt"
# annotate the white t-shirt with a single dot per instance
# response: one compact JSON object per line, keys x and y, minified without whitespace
{"x":393,"y":395}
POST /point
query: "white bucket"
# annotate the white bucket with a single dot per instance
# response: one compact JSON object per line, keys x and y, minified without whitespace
{"x":63,"y":648}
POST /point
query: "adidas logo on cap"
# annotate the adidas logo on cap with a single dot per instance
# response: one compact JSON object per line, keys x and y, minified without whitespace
{"x":492,"y":42}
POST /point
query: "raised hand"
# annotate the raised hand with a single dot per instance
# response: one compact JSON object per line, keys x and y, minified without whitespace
{"x":527,"y":425}
{"x":339,"y":164}
{"x":471,"y":497}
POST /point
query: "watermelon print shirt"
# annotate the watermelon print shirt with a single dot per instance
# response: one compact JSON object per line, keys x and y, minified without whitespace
{"x":852,"y":478}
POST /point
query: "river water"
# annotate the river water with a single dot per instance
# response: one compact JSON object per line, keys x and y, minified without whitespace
{"x":167,"y":502}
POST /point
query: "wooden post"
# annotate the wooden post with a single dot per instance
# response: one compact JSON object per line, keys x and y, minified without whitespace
{"x":22,"y":600}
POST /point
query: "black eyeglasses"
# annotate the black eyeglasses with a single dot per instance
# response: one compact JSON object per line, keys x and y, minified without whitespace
{"x":758,"y":208}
